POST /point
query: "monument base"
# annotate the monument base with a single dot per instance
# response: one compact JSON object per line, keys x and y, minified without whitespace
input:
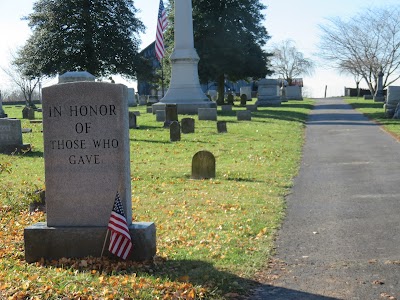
{"x":50,"y":243}
{"x":9,"y":149}
{"x":379,"y":98}
{"x":186,"y":108}
{"x":269,"y":102}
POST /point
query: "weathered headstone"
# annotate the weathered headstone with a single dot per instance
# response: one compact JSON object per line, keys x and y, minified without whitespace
{"x":28,"y":113}
{"x":268,"y":93}
{"x":243,"y":99}
{"x":221,"y":127}
{"x":243,"y":115}
{"x":230,"y":99}
{"x":187,"y":125}
{"x":11,"y":136}
{"x":87,"y":161}
{"x":149,"y":109}
{"x":392,"y":99}
{"x":368,"y":97}
{"x":203,"y":165}
{"x":171,"y":114}
{"x":282,"y":93}
{"x":251,"y":107}
{"x":131,"y":97}
{"x":143,"y":100}
{"x":174,"y":131}
{"x":160,"y":115}
{"x":226,"y":107}
{"x":207,"y":114}
{"x":132,"y":120}
{"x":294,"y":92}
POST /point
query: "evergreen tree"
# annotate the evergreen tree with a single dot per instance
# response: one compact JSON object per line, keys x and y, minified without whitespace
{"x":229,"y":36}
{"x":98,"y":36}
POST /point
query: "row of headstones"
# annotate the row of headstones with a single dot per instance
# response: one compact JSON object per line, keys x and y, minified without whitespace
{"x":268,"y":88}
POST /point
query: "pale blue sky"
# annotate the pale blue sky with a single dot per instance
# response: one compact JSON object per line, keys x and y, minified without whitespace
{"x":290,"y":19}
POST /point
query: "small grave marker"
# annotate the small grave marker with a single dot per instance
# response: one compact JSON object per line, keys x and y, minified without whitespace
{"x":203,"y":165}
{"x":187,"y":125}
{"x":175,"y":131}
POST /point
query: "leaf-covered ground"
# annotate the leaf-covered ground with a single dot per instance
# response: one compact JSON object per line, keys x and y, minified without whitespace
{"x":212,"y":235}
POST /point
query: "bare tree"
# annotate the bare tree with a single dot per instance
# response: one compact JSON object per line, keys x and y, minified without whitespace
{"x":26,"y":84}
{"x":290,"y":63}
{"x":363,"y":44}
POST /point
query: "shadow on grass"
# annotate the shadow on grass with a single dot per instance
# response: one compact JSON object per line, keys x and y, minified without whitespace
{"x":220,"y":284}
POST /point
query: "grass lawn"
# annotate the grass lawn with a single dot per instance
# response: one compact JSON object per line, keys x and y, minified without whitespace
{"x":374,"y":111}
{"x":212,"y":235}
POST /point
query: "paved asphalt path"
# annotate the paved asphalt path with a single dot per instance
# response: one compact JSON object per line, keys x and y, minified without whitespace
{"x":341,"y":236}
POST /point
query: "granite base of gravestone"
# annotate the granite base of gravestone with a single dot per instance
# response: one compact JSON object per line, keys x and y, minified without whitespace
{"x":203,"y":165}
{"x":132,"y":120}
{"x":207,"y":114}
{"x":87,"y":161}
{"x":174,"y":131}
{"x":221,"y":127}
{"x":160,"y":115}
{"x":243,"y":115}
{"x":171,"y":114}
{"x":11,"y":137}
{"x":187,"y":125}
{"x":28,"y":113}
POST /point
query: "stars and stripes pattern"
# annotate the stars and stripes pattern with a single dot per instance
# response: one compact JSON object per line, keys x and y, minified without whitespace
{"x":120,"y":240}
{"x":162,"y":23}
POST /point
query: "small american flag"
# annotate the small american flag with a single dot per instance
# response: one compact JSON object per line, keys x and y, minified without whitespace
{"x":162,"y":23}
{"x":120,"y":241}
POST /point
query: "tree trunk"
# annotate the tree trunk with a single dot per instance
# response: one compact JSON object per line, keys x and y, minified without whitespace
{"x":221,"y":89}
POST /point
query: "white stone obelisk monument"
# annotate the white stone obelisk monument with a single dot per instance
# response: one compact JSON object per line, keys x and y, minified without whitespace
{"x":184,"y":89}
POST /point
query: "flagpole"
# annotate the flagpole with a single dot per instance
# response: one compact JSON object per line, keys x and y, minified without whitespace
{"x":162,"y":77}
{"x":104,"y":244}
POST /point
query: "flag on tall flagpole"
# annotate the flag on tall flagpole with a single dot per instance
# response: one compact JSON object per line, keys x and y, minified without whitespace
{"x":120,"y":240}
{"x":162,"y":23}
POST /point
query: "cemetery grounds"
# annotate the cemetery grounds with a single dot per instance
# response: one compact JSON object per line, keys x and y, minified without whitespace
{"x":213,"y":236}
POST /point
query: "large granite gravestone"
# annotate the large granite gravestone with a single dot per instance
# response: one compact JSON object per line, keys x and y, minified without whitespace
{"x":187,"y":125}
{"x":392,"y":99}
{"x":11,"y":136}
{"x":87,"y":161}
{"x":294,"y":92}
{"x":268,"y":93}
{"x":203,"y":165}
